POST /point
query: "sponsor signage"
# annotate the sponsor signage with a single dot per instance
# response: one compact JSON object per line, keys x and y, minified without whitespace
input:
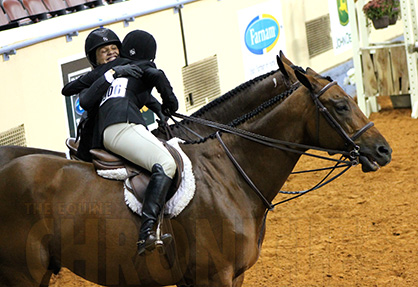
{"x":340,"y":25}
{"x":262,"y":37}
{"x":262,"y":34}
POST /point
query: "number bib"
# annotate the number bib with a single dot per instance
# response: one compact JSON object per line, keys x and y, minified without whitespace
{"x":116,"y":90}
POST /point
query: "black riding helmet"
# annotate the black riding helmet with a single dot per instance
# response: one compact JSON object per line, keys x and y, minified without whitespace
{"x":97,"y":38}
{"x":139,"y":45}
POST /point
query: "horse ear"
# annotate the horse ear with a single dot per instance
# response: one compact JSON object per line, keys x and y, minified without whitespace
{"x":282,"y":67}
{"x":304,"y":80}
{"x":284,"y":59}
{"x":311,"y":72}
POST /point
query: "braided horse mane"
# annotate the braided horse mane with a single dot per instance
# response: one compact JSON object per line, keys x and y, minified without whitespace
{"x":258,"y":110}
{"x":277,"y":99}
{"x":262,"y":107}
{"x":237,"y":90}
{"x":230,"y":94}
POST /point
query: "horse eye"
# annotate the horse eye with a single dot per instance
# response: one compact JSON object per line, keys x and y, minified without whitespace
{"x":341,"y":108}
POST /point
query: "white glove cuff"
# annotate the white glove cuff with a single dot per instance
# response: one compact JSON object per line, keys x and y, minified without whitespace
{"x":109,"y":76}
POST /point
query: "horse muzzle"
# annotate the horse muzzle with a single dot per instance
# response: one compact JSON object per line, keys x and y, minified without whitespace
{"x":373,"y":160}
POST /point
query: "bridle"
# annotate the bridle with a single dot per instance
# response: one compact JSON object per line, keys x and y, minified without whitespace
{"x":352,"y":154}
{"x":349,"y":141}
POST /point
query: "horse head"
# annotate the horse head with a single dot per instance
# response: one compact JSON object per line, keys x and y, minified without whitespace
{"x":336,"y":122}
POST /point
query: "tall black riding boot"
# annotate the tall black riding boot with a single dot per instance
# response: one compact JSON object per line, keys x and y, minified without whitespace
{"x":154,"y":200}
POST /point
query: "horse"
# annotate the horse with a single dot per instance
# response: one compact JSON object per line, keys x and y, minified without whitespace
{"x":56,"y":212}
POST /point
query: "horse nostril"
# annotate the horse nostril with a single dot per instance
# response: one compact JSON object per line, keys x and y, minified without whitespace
{"x":383,"y":150}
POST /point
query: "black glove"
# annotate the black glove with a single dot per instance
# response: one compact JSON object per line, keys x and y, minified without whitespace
{"x":127,"y":71}
{"x":162,"y":123}
{"x":170,"y":105}
{"x":161,"y":116}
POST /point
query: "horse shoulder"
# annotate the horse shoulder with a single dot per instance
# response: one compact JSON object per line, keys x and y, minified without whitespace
{"x":220,"y":212}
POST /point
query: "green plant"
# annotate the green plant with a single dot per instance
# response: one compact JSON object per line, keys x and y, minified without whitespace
{"x":376,"y":9}
{"x":394,"y":7}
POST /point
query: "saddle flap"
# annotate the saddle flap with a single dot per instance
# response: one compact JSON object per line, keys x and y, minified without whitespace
{"x":179,"y":163}
{"x":105,"y":160}
{"x":140,"y":181}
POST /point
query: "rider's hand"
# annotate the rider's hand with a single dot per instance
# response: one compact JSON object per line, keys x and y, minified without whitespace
{"x":170,"y":105}
{"x":127,"y":71}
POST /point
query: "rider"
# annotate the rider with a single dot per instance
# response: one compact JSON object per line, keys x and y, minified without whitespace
{"x":122,"y":130}
{"x":102,"y":49}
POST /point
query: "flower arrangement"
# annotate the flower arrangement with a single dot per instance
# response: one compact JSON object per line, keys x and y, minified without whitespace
{"x":376,"y":9}
{"x":382,"y":12}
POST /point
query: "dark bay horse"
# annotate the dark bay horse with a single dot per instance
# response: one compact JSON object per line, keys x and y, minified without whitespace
{"x":57,"y":212}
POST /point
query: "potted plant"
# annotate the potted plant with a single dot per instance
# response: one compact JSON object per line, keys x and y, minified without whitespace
{"x":378,"y":12}
{"x":394,"y":7}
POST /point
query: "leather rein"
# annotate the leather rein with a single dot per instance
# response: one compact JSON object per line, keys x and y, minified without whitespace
{"x":352,"y":155}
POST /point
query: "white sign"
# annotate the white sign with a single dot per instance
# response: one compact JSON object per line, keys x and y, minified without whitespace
{"x":262,"y":37}
{"x":340,"y":25}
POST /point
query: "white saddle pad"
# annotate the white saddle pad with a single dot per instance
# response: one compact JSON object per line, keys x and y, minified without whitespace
{"x":178,"y":201}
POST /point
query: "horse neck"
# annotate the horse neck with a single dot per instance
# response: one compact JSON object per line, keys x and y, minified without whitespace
{"x":243,"y":99}
{"x":268,"y":168}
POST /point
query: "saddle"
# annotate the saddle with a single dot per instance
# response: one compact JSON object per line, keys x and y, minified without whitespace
{"x":137,"y":177}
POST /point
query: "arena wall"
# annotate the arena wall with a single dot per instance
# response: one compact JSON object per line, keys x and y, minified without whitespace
{"x":32,"y":79}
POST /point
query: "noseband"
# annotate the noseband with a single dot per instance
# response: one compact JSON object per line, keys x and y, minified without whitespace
{"x":349,"y":141}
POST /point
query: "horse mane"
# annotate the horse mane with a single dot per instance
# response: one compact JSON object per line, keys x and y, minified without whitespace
{"x":231,"y":94}
{"x":277,"y":99}
{"x":270,"y":102}
{"x":246,"y":117}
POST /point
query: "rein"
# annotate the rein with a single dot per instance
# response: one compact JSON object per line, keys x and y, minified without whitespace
{"x":352,"y":155}
{"x":278,"y":144}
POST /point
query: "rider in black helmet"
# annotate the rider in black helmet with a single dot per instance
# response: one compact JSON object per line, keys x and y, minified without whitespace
{"x":139,"y":45}
{"x":99,"y":38}
{"x":122,"y":129}
{"x":102,"y":48}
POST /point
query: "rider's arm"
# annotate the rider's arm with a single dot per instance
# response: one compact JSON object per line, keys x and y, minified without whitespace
{"x":155,"y":106}
{"x":91,"y":97}
{"x":156,"y":78}
{"x":76,"y":86}
{"x":86,"y":80}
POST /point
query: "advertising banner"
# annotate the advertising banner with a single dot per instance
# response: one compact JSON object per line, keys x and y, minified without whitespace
{"x":262,"y":37}
{"x":340,"y":25}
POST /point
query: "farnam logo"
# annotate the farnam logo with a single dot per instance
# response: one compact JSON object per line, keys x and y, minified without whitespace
{"x":262,"y":34}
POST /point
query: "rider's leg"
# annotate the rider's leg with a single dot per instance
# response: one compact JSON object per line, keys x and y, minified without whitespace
{"x":126,"y":140}
{"x":153,"y":203}
{"x":138,"y":145}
